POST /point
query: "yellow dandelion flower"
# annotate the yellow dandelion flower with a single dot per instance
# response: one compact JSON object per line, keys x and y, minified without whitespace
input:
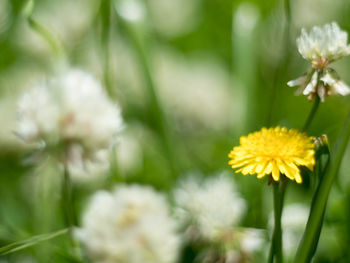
{"x":273,"y":151}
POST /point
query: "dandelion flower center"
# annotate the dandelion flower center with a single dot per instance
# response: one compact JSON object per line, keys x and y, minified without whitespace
{"x":273,"y":151}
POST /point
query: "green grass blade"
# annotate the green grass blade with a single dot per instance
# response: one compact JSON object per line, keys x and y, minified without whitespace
{"x":16,"y":246}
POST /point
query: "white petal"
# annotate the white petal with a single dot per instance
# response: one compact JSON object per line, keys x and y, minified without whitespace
{"x":341,"y":88}
{"x":297,"y":82}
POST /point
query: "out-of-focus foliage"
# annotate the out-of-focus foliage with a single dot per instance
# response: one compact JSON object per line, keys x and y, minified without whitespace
{"x":215,"y":67}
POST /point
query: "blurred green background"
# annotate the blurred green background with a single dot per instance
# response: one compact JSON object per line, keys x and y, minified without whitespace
{"x":219,"y":69}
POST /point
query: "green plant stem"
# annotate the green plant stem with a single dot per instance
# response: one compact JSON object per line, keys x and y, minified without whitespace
{"x":276,"y":249}
{"x":312,"y":113}
{"x":69,"y":212}
{"x":307,"y":245}
{"x":67,"y":198}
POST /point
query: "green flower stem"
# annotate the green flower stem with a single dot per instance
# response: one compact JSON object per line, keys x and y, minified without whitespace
{"x":137,"y":39}
{"x":312,"y":113}
{"x":276,"y":249}
{"x":307,"y":245}
{"x":316,"y":104}
{"x":69,"y":212}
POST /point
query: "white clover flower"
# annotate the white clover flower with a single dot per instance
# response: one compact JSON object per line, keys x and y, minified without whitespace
{"x":323,"y":45}
{"x":71,"y":109}
{"x":38,"y":116}
{"x":130,"y":225}
{"x":213,"y":206}
{"x":294,"y":219}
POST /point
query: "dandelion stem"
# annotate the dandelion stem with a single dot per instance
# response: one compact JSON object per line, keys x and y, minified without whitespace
{"x":307,"y":246}
{"x":276,"y":244}
{"x":312,"y":113}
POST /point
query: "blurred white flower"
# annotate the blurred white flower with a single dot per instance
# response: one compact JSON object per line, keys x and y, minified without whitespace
{"x":252,"y":239}
{"x":238,"y":246}
{"x":246,"y":18}
{"x":311,"y":12}
{"x":71,"y":109}
{"x":128,"y":153}
{"x":245,"y":243}
{"x":212,"y":207}
{"x":175,"y":18}
{"x":132,"y":10}
{"x":294,"y":219}
{"x":197,"y":92}
{"x":130,"y":225}
{"x":85,"y":168}
{"x":38,"y":117}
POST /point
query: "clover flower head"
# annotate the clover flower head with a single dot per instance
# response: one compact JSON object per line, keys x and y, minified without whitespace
{"x":71,"y":109}
{"x":212,"y":206}
{"x":132,"y":224}
{"x":323,"y":45}
{"x":274,"y":151}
